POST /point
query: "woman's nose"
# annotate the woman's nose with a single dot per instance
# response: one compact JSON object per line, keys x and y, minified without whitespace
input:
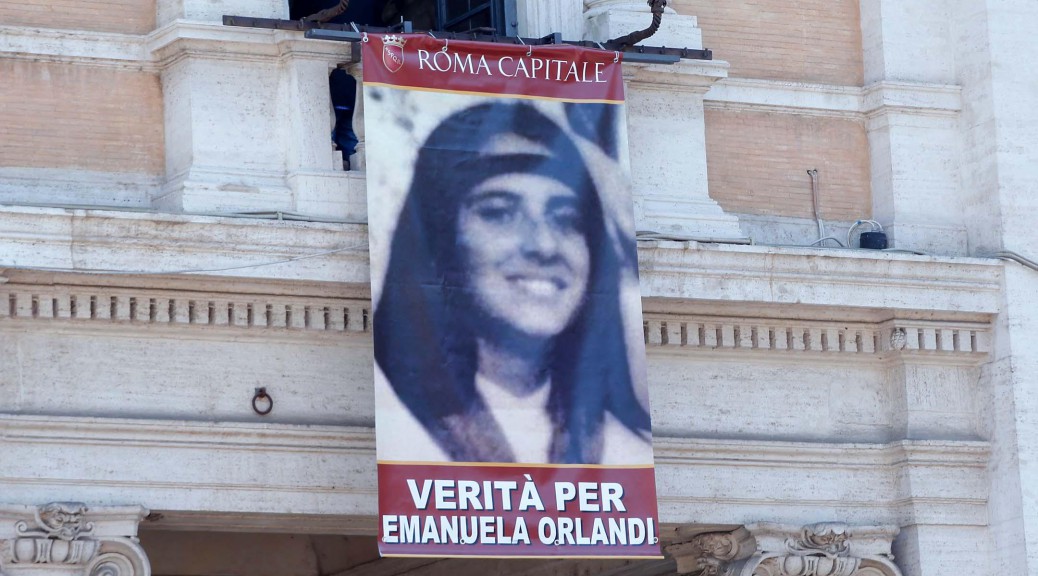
{"x":539,"y":240}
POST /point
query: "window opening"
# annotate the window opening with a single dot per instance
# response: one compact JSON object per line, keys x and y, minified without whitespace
{"x":485,"y":16}
{"x":465,"y":13}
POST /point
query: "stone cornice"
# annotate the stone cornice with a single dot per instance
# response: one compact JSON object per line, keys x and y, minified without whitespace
{"x":73,"y":46}
{"x":216,"y":41}
{"x":266,"y":251}
{"x":912,"y":98}
{"x":272,"y":310}
{"x":164,"y":45}
{"x":766,"y":453}
{"x":849,"y":102}
{"x":156,"y":243}
{"x":819,"y":277}
{"x":789,"y":97}
{"x":340,"y":472}
{"x":696,"y":76}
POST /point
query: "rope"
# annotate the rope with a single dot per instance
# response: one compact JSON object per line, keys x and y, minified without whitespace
{"x":633,"y":38}
{"x":328,"y":13}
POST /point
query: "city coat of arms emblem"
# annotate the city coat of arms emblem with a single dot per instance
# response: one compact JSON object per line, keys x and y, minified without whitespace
{"x":393,"y":52}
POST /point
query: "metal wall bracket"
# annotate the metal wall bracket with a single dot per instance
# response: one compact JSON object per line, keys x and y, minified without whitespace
{"x":352,"y":33}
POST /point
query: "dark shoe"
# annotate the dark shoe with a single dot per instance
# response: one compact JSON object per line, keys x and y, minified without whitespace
{"x":346,"y":164}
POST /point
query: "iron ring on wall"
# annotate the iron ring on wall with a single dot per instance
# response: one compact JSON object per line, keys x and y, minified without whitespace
{"x":260,"y":396}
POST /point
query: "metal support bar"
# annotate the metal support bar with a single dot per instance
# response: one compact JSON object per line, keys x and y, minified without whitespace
{"x":346,"y":33}
{"x":350,"y":36}
{"x":553,"y":38}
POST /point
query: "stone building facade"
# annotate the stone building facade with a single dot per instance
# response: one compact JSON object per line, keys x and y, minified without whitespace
{"x":175,"y":234}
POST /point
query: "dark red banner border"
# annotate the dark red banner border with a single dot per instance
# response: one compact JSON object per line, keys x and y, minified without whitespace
{"x":588,"y":511}
{"x":560,"y":71}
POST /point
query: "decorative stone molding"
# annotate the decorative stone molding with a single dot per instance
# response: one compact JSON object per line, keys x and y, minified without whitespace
{"x":767,"y":549}
{"x":826,"y":100}
{"x":261,"y":311}
{"x":170,"y":244}
{"x":607,"y":19}
{"x":123,"y":51}
{"x":917,"y":98}
{"x":964,"y":339}
{"x":711,"y":554}
{"x":163,"y":308}
{"x":69,"y":539}
{"x":852,"y":279}
{"x":695,"y":476}
{"x":823,"y":549}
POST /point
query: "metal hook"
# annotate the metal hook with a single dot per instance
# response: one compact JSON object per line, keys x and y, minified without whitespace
{"x":364,"y":37}
{"x":616,"y":56}
{"x":446,"y":41}
{"x":261,"y":395}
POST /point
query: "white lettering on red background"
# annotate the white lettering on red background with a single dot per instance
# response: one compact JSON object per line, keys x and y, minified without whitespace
{"x":531,"y":68}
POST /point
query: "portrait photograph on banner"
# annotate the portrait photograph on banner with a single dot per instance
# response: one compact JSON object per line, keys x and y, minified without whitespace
{"x":512,"y":411}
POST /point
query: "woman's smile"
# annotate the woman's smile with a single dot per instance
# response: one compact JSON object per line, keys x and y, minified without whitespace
{"x":546,"y":288}
{"x":525,"y":252}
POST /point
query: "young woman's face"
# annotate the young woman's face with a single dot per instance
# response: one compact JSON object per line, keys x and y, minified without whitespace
{"x":522,"y":239}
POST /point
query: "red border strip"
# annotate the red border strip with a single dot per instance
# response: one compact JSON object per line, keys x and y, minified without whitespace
{"x":557,"y":71}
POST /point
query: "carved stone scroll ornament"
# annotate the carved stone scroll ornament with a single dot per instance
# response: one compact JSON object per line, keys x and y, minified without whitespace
{"x":825,"y":549}
{"x":68,"y":539}
{"x":712,"y":553}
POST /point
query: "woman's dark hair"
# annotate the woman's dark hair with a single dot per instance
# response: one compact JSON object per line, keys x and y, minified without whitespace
{"x":424,"y":327}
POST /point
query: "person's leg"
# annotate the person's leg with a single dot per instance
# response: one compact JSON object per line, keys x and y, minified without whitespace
{"x":344,"y":99}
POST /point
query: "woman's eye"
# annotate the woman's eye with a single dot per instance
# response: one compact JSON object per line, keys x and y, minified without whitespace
{"x":496,"y":215}
{"x":567,"y":219}
{"x":496,"y":210}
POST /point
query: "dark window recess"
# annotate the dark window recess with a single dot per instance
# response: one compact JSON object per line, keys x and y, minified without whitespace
{"x":485,"y":16}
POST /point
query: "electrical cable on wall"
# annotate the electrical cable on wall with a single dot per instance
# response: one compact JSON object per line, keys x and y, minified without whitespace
{"x":1014,"y":257}
{"x":822,"y":237}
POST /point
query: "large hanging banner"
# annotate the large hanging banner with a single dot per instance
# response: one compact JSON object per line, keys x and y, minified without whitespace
{"x":511,"y":406}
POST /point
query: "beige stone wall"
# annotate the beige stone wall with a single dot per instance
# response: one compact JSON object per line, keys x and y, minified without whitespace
{"x":758,"y":160}
{"x":802,"y":40}
{"x":758,"y":163}
{"x":56,"y":115}
{"x":123,"y":16}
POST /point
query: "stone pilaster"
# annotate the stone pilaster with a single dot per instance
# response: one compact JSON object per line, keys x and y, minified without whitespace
{"x":912,"y":105}
{"x":667,"y":136}
{"x":542,"y":18}
{"x":214,"y":10}
{"x":70,"y":539}
{"x":248,"y":121}
{"x":607,"y":19}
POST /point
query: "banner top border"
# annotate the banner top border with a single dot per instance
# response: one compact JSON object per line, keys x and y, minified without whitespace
{"x":516,"y":465}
